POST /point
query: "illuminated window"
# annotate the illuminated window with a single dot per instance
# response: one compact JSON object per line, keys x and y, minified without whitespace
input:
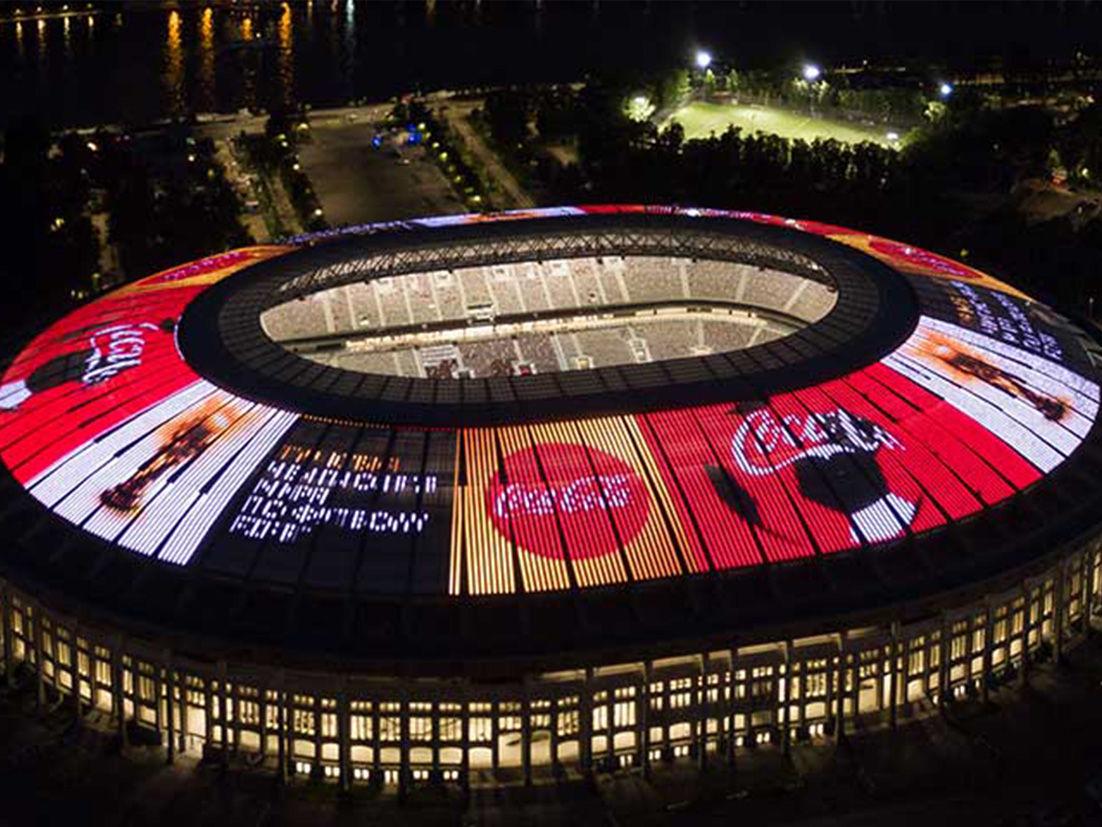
{"x":624,"y":713}
{"x":451,"y":729}
{"x":958,"y":647}
{"x":480,"y":729}
{"x":360,"y":726}
{"x":815,"y":685}
{"x":248,"y":712}
{"x":303,"y":722}
{"x":568,"y":723}
{"x":600,"y":718}
{"x":680,"y":697}
{"x":390,"y":729}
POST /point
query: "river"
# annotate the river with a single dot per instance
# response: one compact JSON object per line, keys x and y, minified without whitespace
{"x":137,"y":62}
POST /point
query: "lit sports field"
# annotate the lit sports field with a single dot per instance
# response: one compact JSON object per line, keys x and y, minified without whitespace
{"x":700,"y":119}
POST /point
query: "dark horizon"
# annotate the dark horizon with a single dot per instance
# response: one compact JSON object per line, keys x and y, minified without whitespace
{"x":81,"y":69}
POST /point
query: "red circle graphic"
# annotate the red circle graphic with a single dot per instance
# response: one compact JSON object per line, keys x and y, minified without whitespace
{"x":562,"y":487}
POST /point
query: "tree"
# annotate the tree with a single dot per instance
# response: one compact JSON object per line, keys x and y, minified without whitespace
{"x":507,"y":113}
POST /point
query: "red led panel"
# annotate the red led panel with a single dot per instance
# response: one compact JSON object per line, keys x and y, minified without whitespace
{"x":884,"y":468}
{"x":103,"y":363}
{"x":748,"y":444}
{"x":957,"y":439}
{"x":815,"y":452}
{"x":936,"y":480}
{"x":705,"y":499}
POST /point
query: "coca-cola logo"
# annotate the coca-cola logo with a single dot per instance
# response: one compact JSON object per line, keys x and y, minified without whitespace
{"x":115,"y":349}
{"x":570,"y":487}
{"x":921,"y":258}
{"x":764,"y":443}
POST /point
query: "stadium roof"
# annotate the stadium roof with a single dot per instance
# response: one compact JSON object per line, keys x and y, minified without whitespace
{"x":170,"y":467}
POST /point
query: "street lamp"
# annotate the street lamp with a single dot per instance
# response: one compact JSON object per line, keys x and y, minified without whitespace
{"x":811,"y":72}
{"x":945,"y":89}
{"x":703,"y":59}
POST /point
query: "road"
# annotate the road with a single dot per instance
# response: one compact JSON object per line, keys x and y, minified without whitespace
{"x":515,"y":195}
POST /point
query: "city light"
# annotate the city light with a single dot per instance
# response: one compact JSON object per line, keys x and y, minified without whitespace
{"x":703,"y":59}
{"x":945,"y":90}
{"x":811,"y":72}
{"x":639,"y":108}
{"x":893,"y":136}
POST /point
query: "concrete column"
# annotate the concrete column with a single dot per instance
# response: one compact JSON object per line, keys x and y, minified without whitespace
{"x":208,"y":712}
{"x":435,"y":720}
{"x":1023,"y":667}
{"x":903,"y":671}
{"x":732,"y":703}
{"x":74,"y":670}
{"x":610,"y":719}
{"x":495,"y":736}
{"x":840,"y":699}
{"x":185,"y":707}
{"x":263,"y":705}
{"x":1058,"y":590}
{"x":403,"y":751}
{"x":784,"y":699}
{"x":170,"y":705}
{"x":39,"y":662}
{"x":158,"y":694}
{"x":893,"y":675}
{"x":224,"y":715}
{"x":585,"y":723}
{"x":642,"y":716}
{"x":465,"y":742}
{"x":344,"y":730}
{"x":1087,"y":589}
{"x":283,"y":720}
{"x":93,"y":691}
{"x":9,"y":640}
{"x":943,"y":656}
{"x":376,"y":739}
{"x":319,"y":718}
{"x":988,"y":648}
{"x":117,"y":688}
{"x":699,"y":719}
{"x":526,"y":732}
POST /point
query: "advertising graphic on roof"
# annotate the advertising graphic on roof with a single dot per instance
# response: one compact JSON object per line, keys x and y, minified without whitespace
{"x":105,"y":424}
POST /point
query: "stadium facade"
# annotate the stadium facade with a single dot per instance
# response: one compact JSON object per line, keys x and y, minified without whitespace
{"x":867,"y":483}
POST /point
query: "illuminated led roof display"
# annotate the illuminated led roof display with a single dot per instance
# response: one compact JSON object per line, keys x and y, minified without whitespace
{"x":110,"y":424}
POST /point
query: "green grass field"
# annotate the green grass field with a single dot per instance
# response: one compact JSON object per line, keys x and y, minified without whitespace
{"x":700,"y":119}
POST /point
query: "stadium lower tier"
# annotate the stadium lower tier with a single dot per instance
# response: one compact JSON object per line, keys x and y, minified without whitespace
{"x":743,"y":693}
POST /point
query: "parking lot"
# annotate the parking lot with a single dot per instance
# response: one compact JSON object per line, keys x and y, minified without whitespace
{"x":358,"y":183}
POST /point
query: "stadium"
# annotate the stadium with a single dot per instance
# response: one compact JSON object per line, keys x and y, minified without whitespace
{"x":526,"y":495}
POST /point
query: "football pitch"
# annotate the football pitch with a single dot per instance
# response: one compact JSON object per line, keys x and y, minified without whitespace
{"x":701,"y":119}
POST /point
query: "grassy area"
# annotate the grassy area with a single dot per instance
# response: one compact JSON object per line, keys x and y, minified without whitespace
{"x":700,"y":118}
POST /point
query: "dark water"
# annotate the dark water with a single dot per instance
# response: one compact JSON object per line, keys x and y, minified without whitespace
{"x":138,"y":62}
